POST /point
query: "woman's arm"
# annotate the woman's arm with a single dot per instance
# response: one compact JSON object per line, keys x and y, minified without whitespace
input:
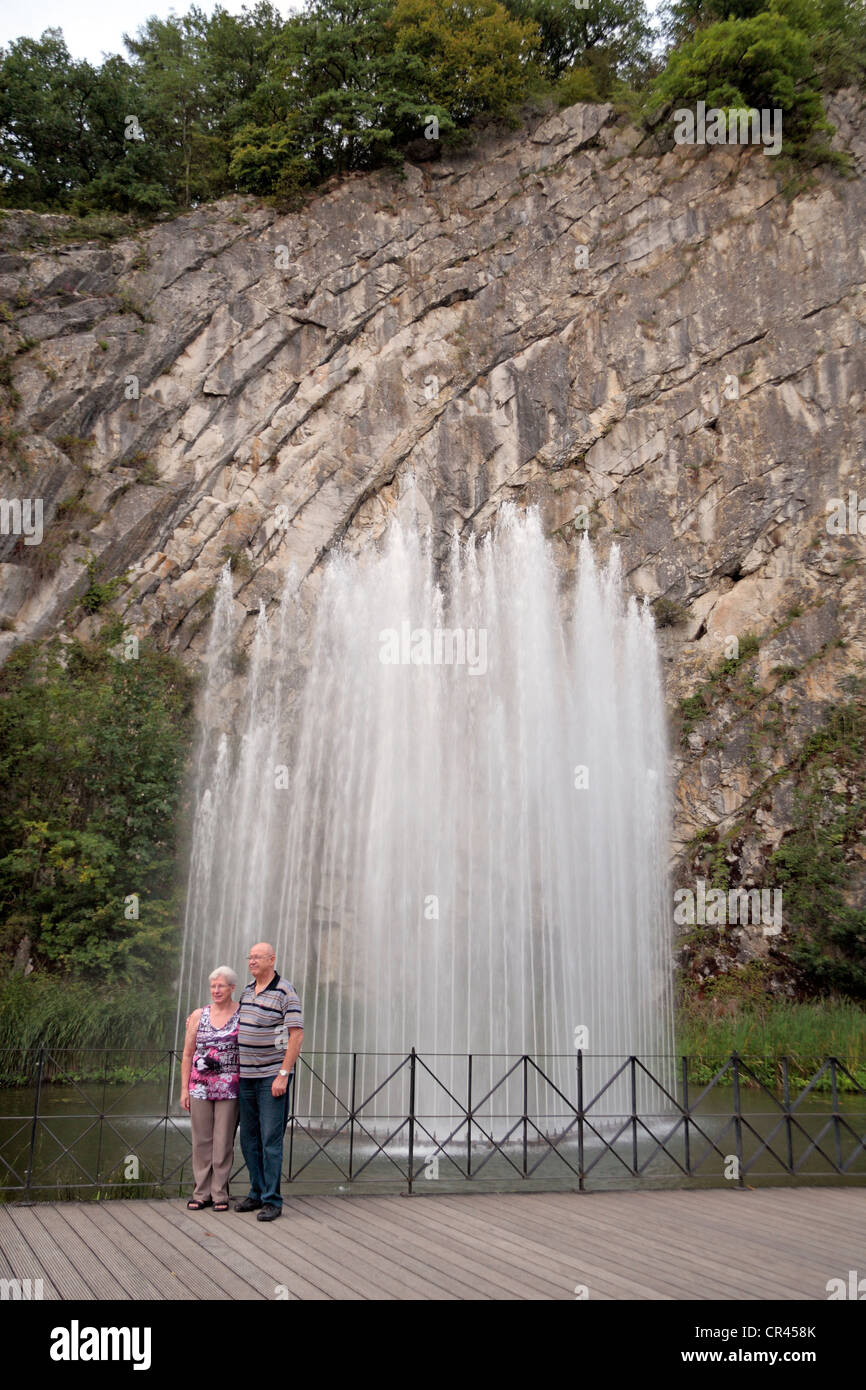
{"x":188,"y":1050}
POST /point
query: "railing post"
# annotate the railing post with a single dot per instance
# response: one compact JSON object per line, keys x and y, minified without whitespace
{"x":525,"y":1105}
{"x":836,"y":1134}
{"x":686,"y":1138}
{"x":580,"y":1119}
{"x":738,"y":1123}
{"x":786,"y":1096}
{"x":633,"y":1089}
{"x":170,"y":1057}
{"x":352,"y":1114}
{"x":411,"y":1117}
{"x":469,"y":1117}
{"x":28,"y":1202}
{"x":293,"y":1086}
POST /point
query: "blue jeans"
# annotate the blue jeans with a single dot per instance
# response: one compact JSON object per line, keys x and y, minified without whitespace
{"x":263,"y":1123}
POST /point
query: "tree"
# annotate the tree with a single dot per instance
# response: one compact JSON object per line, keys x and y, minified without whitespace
{"x":610,"y":38}
{"x":92,"y":755}
{"x":763,"y":63}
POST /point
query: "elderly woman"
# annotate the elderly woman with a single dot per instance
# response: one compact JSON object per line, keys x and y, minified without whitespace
{"x":209,"y":1084}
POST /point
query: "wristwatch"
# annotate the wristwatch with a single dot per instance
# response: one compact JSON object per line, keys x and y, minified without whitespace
{"x":283,"y":1072}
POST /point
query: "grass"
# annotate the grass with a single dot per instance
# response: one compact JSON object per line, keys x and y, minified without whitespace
{"x":763,"y":1033}
{"x":80,"y":1018}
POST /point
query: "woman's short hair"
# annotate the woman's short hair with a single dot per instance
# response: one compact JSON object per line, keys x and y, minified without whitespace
{"x":227,"y":972}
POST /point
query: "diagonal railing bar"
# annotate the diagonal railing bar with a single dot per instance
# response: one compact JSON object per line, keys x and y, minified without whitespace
{"x":66,"y":1151}
{"x":439,"y":1148}
{"x":861,"y":1090}
{"x":479,"y":1103}
{"x":787,"y":1119}
{"x":765,"y":1147}
{"x":70,"y":1079}
{"x":608,"y":1146}
{"x":553,"y":1147}
{"x":816,"y":1144}
{"x":439,"y":1082}
{"x":714,"y":1081}
{"x":141,"y":1080}
{"x":711,"y":1145}
{"x":497,"y":1147}
{"x":390,"y":1157}
{"x":9,"y":1140}
{"x":367,"y":1099}
{"x":662,"y":1144}
{"x":552,"y":1084}
{"x":606,"y":1087}
{"x":319,"y":1148}
{"x":664,"y":1090}
{"x":813,"y":1082}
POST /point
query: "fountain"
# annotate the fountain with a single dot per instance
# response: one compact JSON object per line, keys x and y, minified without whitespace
{"x":445,"y":804}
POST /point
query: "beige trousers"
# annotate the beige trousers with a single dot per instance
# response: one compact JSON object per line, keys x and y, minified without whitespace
{"x":213,"y":1142}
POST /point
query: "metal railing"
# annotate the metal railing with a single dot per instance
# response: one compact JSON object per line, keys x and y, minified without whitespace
{"x":80,"y":1129}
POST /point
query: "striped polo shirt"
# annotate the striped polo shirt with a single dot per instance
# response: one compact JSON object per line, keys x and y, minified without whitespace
{"x":263,"y":1028}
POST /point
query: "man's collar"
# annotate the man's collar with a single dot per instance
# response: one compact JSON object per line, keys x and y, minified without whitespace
{"x":275,"y":980}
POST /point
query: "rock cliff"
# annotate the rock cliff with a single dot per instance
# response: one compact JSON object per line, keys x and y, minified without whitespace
{"x":663,"y":349}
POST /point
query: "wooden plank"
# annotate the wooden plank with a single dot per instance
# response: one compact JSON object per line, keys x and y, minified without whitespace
{"x":65,"y":1278}
{"x":274,"y":1240}
{"x":744,"y":1237}
{"x":438,"y":1253}
{"x":437,"y":1267}
{"x":347,"y":1214}
{"x":155,"y":1278}
{"x":304,"y":1239}
{"x":556,"y":1246}
{"x":594,"y":1255}
{"x":553,"y":1273}
{"x":19,"y":1259}
{"x":267,"y":1271}
{"x":357,"y":1248}
{"x":763,"y":1224}
{"x":59,"y":1224}
{"x":187,"y":1252}
{"x":646,"y":1249}
{"x":501,"y":1268}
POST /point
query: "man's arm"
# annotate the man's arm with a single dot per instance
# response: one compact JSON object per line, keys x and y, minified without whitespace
{"x":296,"y":1037}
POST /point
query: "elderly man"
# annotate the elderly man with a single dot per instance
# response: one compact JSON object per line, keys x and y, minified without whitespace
{"x":270,"y":1034}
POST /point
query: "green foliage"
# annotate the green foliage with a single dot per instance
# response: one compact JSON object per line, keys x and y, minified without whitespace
{"x":98,"y":591}
{"x":92,"y":752}
{"x":763,"y":62}
{"x":609,"y":39}
{"x":738,"y":1017}
{"x":811,"y":864}
{"x":835,"y":29}
{"x":44,"y":1009}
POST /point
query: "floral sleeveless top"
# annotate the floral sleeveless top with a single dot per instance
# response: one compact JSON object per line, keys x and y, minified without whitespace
{"x":216,"y":1069}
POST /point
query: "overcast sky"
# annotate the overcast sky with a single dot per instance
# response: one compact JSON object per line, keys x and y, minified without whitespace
{"x":95,"y":27}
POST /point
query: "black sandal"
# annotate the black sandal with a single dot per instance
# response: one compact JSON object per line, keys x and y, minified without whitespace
{"x":193,"y":1205}
{"x":220,"y":1206}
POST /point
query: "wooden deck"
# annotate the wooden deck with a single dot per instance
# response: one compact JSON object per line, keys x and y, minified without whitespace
{"x":770,"y":1244}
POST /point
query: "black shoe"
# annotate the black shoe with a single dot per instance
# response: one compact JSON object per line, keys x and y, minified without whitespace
{"x":268,"y":1213}
{"x":247,"y":1204}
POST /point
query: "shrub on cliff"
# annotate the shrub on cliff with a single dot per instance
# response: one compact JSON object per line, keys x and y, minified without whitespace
{"x":764,"y":63}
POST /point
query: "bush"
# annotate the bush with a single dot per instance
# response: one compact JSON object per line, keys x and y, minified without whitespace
{"x":761,"y":63}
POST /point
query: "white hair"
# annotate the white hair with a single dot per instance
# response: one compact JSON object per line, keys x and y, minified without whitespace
{"x":227,"y":972}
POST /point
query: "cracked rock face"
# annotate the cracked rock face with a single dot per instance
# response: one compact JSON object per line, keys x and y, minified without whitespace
{"x":662,"y":344}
